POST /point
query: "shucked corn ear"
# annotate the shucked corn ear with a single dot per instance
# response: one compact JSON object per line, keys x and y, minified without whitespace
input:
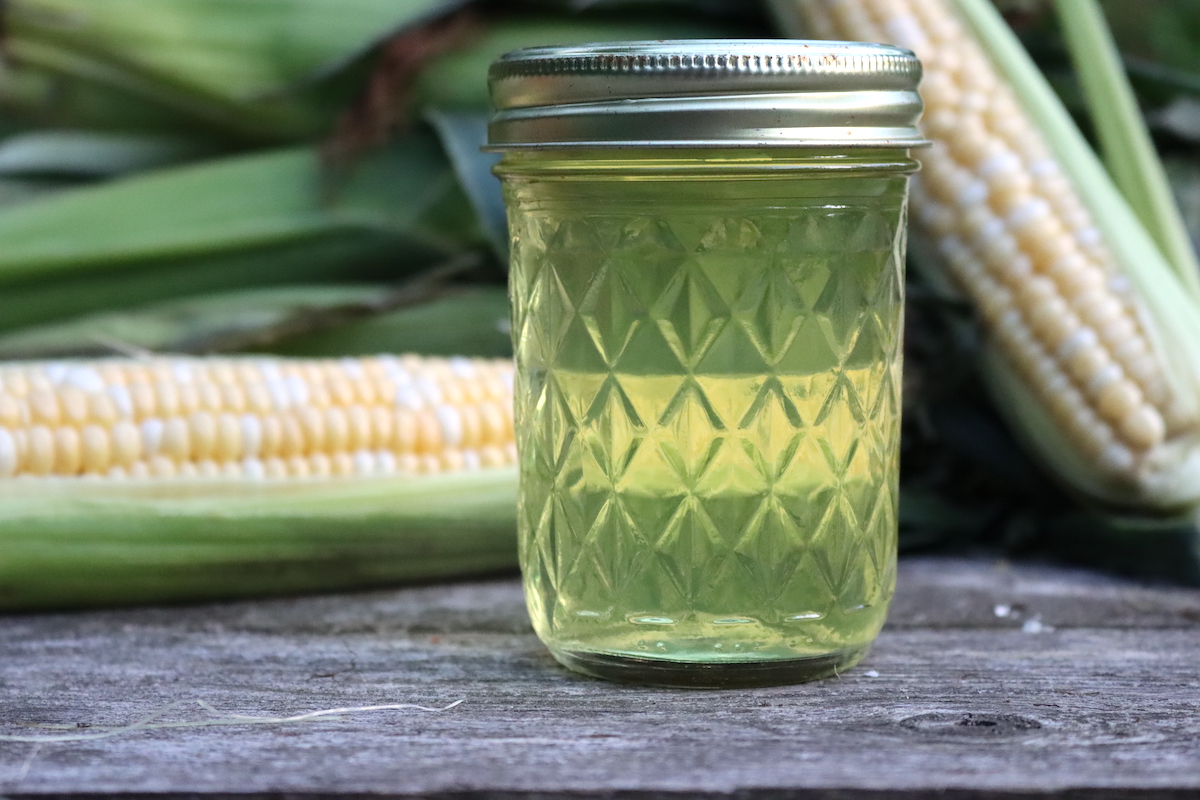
{"x":1089,"y":330}
{"x":254,"y":418}
{"x":180,"y":478}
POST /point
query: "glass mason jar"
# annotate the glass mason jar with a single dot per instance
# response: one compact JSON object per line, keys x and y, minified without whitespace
{"x":707,"y":249}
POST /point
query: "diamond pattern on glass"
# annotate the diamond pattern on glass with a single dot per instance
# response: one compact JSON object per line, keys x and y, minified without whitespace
{"x":710,"y":412}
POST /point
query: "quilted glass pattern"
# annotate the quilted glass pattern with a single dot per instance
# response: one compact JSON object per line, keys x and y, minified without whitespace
{"x":708,"y":408}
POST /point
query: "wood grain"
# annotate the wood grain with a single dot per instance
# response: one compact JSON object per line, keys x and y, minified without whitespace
{"x":991,"y":680}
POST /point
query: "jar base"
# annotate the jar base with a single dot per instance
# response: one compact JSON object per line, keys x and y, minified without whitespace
{"x":700,"y":675}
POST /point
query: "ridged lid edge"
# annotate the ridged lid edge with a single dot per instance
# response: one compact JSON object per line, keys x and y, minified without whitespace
{"x":713,"y":58}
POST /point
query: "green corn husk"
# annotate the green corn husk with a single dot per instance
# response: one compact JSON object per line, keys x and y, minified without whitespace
{"x":255,"y":220}
{"x":320,"y":320}
{"x":17,"y":191}
{"x":209,"y":323}
{"x":71,"y":543}
{"x":95,"y":155}
{"x":43,"y":98}
{"x":259,"y":70}
{"x":472,"y":322}
{"x":1124,"y":140}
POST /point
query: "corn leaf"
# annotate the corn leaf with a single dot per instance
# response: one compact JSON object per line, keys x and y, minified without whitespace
{"x":1124,"y":140}
{"x":320,"y":319}
{"x":241,"y":221}
{"x":231,"y":62}
{"x":15,"y":191}
{"x":209,"y":323}
{"x":92,"y":155}
{"x":471,"y":322}
{"x":40,"y":97}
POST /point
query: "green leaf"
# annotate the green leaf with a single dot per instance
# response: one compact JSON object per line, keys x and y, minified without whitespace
{"x":89,"y":154}
{"x":1129,"y":154}
{"x":234,"y":63}
{"x":15,"y":191}
{"x":41,"y":97}
{"x":210,"y":323}
{"x":255,"y":220}
{"x":472,"y":323}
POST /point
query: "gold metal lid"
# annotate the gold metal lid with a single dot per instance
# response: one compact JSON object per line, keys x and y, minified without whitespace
{"x":706,"y":93}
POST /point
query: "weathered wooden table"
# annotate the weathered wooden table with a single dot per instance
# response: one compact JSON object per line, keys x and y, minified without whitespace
{"x":990,"y":681}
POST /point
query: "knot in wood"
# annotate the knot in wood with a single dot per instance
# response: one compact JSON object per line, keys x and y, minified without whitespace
{"x":970,"y":724}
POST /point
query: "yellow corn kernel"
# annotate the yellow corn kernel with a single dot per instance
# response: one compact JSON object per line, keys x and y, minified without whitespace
{"x":43,"y":407}
{"x":73,"y":405}
{"x":405,"y":434}
{"x":126,"y":443}
{"x":272,"y":436}
{"x":358,"y":423}
{"x":341,"y":464}
{"x":202,"y":433}
{"x":228,"y":438}
{"x":95,"y":449}
{"x":40,"y":460}
{"x":337,"y":430}
{"x":68,"y":455}
{"x":383,"y":427}
{"x":429,"y":433}
{"x":12,"y":414}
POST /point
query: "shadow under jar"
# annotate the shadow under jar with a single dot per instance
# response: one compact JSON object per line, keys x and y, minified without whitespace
{"x":707,"y":249}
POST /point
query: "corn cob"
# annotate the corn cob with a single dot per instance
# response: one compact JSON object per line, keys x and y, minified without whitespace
{"x":163,"y":479}
{"x":254,"y":418}
{"x":1081,"y":362}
